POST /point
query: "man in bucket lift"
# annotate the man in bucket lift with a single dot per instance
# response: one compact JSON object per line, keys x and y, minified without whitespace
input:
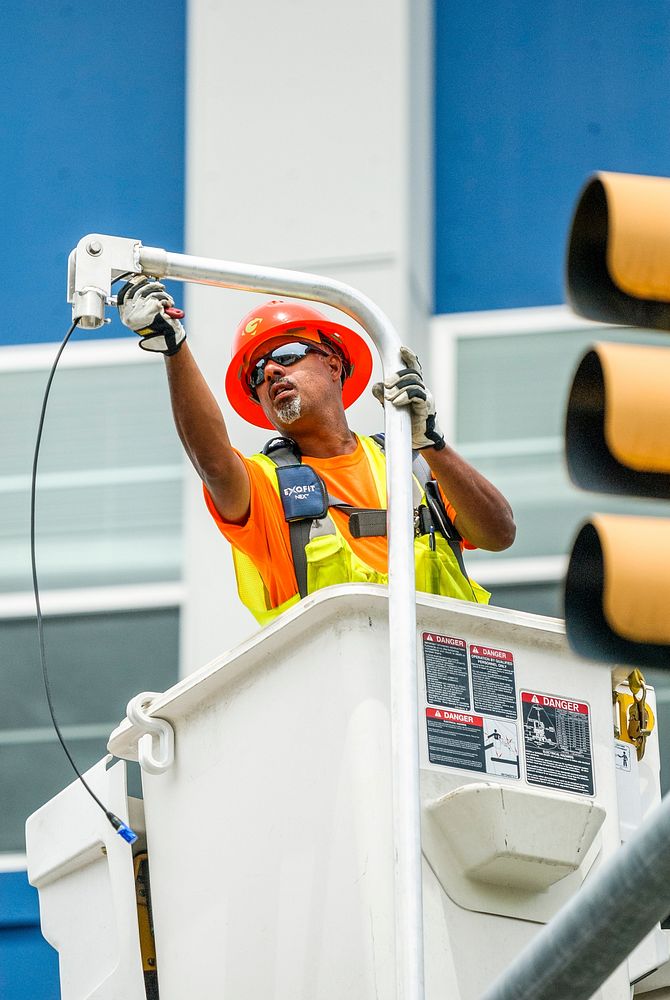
{"x":309,"y":511}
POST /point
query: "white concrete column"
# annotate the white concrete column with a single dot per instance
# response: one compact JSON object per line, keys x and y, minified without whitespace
{"x":309,"y":145}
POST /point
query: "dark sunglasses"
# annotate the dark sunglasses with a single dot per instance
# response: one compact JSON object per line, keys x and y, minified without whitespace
{"x":286,"y":355}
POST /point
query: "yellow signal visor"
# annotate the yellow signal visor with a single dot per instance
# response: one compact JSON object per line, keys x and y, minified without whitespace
{"x":617,"y":431}
{"x":618,"y":263}
{"x":617,"y":591}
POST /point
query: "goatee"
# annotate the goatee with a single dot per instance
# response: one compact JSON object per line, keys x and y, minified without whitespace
{"x":289,"y":412}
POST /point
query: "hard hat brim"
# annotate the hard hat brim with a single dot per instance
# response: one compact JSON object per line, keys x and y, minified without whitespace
{"x":353,"y":345}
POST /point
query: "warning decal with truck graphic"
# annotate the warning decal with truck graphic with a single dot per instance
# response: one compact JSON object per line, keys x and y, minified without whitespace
{"x":557,"y":741}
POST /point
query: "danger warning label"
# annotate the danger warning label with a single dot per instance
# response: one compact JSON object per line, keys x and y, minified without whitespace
{"x":445,"y":659}
{"x":557,"y":739}
{"x":493,"y":687}
{"x":455,"y":739}
{"x":472,"y":742}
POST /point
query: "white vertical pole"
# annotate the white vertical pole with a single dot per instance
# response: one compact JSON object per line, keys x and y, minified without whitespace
{"x":402,"y":596}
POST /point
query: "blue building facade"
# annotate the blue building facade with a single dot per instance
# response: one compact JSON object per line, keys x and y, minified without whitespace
{"x":28,"y":965}
{"x":530,"y":99}
{"x":92,"y":141}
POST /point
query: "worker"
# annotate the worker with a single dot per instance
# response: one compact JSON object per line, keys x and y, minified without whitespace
{"x":310,"y":510}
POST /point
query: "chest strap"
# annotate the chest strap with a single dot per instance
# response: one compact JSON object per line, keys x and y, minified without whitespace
{"x":308,"y":516}
{"x":306,"y":502}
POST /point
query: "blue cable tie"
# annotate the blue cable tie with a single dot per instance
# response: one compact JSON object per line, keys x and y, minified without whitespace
{"x":128,"y":835}
{"x":123,"y":831}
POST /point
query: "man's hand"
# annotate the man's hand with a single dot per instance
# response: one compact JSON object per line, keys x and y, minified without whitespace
{"x":142,"y":303}
{"x":407,"y":388}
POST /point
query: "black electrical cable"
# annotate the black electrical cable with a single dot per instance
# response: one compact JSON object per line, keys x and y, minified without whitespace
{"x":126,"y":274}
{"x":121,"y":828}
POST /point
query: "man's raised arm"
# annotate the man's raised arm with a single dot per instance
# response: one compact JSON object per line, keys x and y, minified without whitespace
{"x":144,"y":307}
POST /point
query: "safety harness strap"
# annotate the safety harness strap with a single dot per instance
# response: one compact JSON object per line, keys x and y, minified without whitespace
{"x":285,"y":453}
{"x":363,"y":522}
{"x":299,"y":532}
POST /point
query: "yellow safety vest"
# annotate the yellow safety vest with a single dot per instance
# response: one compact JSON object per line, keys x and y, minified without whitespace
{"x":331,"y":560}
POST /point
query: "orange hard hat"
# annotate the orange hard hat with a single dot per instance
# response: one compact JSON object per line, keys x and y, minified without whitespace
{"x":293,"y":321}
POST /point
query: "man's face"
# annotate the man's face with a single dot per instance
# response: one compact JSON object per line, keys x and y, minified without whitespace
{"x":294,"y":388}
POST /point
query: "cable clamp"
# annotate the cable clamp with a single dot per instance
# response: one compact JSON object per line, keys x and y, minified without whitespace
{"x":155,"y":747}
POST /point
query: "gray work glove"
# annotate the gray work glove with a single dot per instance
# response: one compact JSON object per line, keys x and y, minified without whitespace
{"x":142,"y":305}
{"x":407,"y":388}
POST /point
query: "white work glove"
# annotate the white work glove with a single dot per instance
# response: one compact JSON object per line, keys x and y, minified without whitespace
{"x":407,"y":388}
{"x":142,"y":303}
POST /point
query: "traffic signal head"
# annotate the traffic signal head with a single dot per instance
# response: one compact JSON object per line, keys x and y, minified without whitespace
{"x":617,"y":437}
{"x":618,"y":264}
{"x":617,"y":430}
{"x":617,"y":591}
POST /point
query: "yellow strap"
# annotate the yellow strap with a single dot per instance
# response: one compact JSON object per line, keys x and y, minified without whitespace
{"x":377,"y":462}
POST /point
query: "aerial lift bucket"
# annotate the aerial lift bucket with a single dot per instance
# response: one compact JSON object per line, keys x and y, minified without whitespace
{"x":284,"y":834}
